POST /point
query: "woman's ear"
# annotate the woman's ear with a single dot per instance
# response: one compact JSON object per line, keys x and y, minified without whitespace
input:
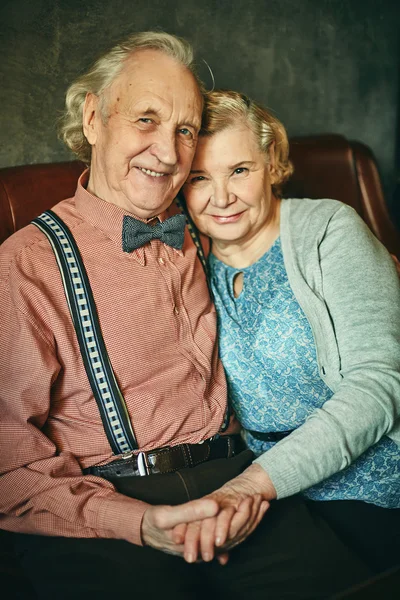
{"x":91,"y":113}
{"x":272,"y":162}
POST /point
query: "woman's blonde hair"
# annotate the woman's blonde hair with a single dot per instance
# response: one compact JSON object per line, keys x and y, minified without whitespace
{"x":102,"y":74}
{"x":225,"y":108}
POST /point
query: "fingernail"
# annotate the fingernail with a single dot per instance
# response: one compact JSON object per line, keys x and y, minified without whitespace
{"x":218,"y":541}
{"x":189,"y":558}
{"x":207,"y":557}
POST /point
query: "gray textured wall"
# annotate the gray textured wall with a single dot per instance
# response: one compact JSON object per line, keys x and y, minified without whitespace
{"x":322,"y":65}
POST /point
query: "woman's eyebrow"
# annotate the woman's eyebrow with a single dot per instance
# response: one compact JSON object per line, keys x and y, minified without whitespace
{"x":241,"y":163}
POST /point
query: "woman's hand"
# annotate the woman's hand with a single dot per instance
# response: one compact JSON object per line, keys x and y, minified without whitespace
{"x":242,"y":503}
{"x":159,"y":521}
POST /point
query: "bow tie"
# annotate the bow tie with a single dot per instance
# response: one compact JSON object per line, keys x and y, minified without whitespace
{"x":136,"y":233}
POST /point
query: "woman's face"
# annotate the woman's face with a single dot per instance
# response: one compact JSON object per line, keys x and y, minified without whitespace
{"x":228,"y":191}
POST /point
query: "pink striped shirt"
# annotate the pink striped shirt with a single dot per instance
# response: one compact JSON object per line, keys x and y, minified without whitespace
{"x":159,"y":327}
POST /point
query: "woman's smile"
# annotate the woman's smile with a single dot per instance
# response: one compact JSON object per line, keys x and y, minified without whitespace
{"x":226,"y":219}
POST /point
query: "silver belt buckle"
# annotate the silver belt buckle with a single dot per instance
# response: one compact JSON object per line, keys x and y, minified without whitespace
{"x":142,"y":464}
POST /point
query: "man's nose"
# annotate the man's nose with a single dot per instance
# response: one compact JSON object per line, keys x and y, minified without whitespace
{"x":165,"y":148}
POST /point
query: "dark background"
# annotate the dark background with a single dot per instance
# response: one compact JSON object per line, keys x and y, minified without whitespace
{"x":321,"y":65}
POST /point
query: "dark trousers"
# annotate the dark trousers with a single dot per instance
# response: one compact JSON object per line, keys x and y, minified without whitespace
{"x":293,"y":554}
{"x":372,"y":532}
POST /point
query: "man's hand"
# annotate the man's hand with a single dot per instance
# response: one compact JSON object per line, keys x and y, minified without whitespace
{"x":159,"y":521}
{"x":243,"y":502}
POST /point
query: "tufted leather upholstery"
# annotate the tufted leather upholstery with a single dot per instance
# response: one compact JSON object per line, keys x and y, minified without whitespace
{"x":326,"y":166}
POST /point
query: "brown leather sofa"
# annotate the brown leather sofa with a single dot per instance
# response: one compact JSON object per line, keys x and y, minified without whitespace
{"x":326,"y":166}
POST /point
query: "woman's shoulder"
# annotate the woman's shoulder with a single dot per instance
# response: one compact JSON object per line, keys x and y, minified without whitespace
{"x":323,"y":207}
{"x":318,"y":215}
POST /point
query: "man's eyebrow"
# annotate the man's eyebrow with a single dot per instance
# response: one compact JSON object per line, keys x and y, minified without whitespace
{"x":155,"y":111}
{"x":149,"y":111}
{"x":194,"y":171}
{"x":195,"y":126}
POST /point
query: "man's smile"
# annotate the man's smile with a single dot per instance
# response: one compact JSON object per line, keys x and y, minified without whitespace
{"x":152,"y":173}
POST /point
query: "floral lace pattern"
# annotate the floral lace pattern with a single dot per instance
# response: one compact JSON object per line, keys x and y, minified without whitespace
{"x":268,"y":351}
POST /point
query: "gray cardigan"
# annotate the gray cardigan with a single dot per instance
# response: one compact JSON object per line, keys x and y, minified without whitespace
{"x":347,"y":285}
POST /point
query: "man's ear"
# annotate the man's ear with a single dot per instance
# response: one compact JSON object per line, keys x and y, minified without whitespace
{"x":91,"y":113}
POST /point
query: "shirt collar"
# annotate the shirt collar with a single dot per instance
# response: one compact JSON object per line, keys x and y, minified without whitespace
{"x":109,"y":217}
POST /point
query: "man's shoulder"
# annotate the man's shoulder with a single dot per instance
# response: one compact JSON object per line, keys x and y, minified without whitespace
{"x":29,"y":241}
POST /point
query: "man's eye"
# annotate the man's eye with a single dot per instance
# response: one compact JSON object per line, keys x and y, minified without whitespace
{"x":197,"y":179}
{"x":186,"y":132}
{"x":145,"y":120}
{"x":240,"y":170}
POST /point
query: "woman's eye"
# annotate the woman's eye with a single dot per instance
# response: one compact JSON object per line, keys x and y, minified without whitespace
{"x":240,"y":170}
{"x":145,"y":120}
{"x":197,"y":179}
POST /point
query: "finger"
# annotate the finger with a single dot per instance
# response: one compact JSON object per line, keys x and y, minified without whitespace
{"x":179,"y":532}
{"x":223,"y":523}
{"x":238,"y":520}
{"x":242,"y":516}
{"x":223,"y":558}
{"x":167,"y":517}
{"x":207,"y":539}
{"x":248,"y":528}
{"x":192,"y":542}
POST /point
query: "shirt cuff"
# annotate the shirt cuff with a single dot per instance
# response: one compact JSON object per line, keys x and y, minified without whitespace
{"x":117,"y":516}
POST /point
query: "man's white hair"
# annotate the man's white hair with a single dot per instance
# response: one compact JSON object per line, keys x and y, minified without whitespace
{"x":102,"y":74}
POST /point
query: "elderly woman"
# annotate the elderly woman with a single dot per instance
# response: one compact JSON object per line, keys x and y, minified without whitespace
{"x":309,"y":325}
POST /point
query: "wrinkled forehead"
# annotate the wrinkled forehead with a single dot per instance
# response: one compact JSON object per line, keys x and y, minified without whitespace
{"x":151,"y":77}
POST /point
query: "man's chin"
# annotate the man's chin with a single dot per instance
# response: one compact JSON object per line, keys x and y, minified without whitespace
{"x":147,"y":205}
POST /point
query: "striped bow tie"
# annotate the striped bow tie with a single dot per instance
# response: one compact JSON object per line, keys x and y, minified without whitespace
{"x":136,"y":233}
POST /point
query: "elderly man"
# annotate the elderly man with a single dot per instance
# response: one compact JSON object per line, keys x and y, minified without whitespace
{"x":112,"y":393}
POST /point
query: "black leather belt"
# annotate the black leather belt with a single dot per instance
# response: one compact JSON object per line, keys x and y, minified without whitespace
{"x":270,"y":436}
{"x":169,"y":459}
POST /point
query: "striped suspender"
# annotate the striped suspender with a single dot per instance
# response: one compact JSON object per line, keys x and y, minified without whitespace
{"x":180,"y":201}
{"x":78,"y":293}
{"x":83,"y":311}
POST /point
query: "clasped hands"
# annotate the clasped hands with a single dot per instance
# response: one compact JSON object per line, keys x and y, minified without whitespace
{"x":211,"y":526}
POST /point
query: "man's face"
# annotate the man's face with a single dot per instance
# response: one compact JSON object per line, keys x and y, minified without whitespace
{"x":142,"y":153}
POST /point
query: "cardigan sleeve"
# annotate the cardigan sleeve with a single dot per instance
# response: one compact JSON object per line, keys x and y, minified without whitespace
{"x":360,"y":289}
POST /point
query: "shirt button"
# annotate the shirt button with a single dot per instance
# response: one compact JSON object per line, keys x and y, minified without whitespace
{"x":161,"y":261}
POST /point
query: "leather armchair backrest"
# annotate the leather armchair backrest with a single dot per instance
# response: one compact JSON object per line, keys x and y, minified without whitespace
{"x":329,"y":166}
{"x":27,"y":191}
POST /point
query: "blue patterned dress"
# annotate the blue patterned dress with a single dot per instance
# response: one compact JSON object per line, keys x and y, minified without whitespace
{"x":268,"y":351}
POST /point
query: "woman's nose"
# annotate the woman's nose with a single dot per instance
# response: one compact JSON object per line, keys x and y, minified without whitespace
{"x":221,"y":197}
